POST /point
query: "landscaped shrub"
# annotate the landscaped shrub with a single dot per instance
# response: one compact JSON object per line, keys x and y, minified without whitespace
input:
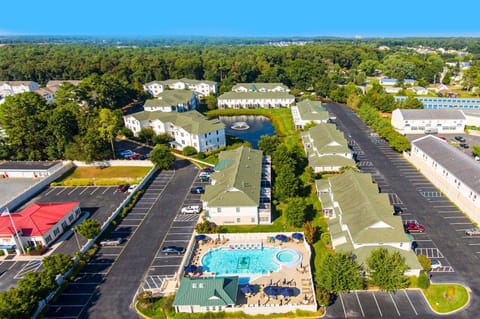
{"x":423,"y":281}
{"x":189,"y":151}
{"x":425,"y":262}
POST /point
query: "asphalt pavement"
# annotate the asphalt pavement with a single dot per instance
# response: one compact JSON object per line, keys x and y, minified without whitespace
{"x":423,"y":203}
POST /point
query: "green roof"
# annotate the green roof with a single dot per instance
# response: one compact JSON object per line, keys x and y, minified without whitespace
{"x":238,"y":181}
{"x":188,"y":81}
{"x":367,"y":213}
{"x":312,"y":111}
{"x":326,"y":200}
{"x":170,"y":98}
{"x":363,"y":253}
{"x":191,"y":121}
{"x":255,"y":95}
{"x":206,"y":292}
{"x":327,"y":139}
{"x":322,"y":184}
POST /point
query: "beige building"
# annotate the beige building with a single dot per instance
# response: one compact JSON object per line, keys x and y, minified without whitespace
{"x":453,"y":172}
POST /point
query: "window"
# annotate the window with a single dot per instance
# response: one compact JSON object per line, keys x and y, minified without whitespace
{"x":238,"y":209}
{"x":238,"y":220}
{"x":56,"y":231}
{"x":48,"y":239}
{"x":64,"y":224}
{"x":70,"y":218}
{"x":219,"y":209}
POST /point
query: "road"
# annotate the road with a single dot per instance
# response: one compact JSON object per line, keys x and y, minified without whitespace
{"x":391,"y":179}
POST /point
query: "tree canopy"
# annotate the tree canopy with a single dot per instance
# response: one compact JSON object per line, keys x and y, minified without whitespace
{"x":387,"y":270}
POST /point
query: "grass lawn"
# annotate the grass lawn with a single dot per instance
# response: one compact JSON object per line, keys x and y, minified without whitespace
{"x":113,"y":175}
{"x":440,"y":301}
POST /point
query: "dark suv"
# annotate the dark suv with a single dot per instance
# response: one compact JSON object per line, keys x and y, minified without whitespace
{"x":197,"y":190}
{"x":460,"y":138}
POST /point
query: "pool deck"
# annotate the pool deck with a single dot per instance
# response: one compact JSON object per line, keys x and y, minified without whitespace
{"x":298,"y":277}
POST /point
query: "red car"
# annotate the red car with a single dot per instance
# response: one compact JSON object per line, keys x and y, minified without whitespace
{"x":414,"y":227}
{"x":443,"y":138}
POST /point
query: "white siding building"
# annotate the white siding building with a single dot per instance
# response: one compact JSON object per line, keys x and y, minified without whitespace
{"x":187,"y":128}
{"x":255,"y":95}
{"x":260,"y":87}
{"x":172,"y":101}
{"x":9,"y":88}
{"x":201,"y":87}
{"x":308,"y":111}
{"x":240,"y":192}
{"x":453,"y":172}
{"x":407,"y":121}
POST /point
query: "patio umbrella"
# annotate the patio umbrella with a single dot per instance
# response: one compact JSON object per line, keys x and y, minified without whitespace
{"x":286,"y":291}
{"x":191,"y":268}
{"x":202,"y":237}
{"x":271,"y":290}
{"x":297,"y":236}
{"x":248,"y":289}
{"x":281,"y":238}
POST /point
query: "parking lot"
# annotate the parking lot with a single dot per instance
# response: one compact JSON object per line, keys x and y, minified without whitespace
{"x":379,"y":304}
{"x":179,"y":234}
{"x":99,"y":202}
{"x":444,"y":237}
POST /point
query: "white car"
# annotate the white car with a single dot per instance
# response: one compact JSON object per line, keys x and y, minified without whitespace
{"x":435,"y":263}
{"x":191,"y":210}
{"x":131,"y":188}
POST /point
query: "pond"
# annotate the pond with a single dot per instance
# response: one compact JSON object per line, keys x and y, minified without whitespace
{"x":248,"y":127}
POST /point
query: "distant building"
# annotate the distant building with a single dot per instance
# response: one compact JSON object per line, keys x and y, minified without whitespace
{"x":239,"y":100}
{"x":327,"y":149}
{"x":28,"y":169}
{"x":361,"y":219}
{"x":10,"y":88}
{"x":57,"y":83}
{"x":172,"y":101}
{"x":444,"y":102}
{"x":48,"y":93}
{"x":308,"y":111}
{"x":260,"y":87}
{"x":419,"y":90}
{"x":38,"y":224}
{"x":393,"y":82}
{"x":187,"y":128}
{"x":453,"y":172}
{"x":443,"y":121}
{"x":201,"y":87}
{"x":240,"y":193}
{"x":392,"y":89}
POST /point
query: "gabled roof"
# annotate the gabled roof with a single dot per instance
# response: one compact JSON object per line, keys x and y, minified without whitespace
{"x":37,"y":219}
{"x":170,"y":98}
{"x":191,"y":121}
{"x":237,"y":183}
{"x":206,"y":292}
{"x":431,"y":114}
{"x":256,"y":95}
{"x":189,"y":81}
{"x":28,"y":165}
{"x":259,"y":86}
{"x":367,"y":213}
{"x":330,"y":160}
{"x":455,"y":161}
{"x":60,"y":82}
{"x":327,"y":139}
{"x":312,"y":111}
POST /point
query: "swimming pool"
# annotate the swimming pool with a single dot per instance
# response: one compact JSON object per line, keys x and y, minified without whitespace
{"x":247,"y":262}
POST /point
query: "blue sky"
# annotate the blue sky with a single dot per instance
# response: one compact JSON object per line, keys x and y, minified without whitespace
{"x":242,"y":18}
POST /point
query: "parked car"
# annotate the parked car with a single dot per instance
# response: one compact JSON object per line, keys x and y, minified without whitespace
{"x":191,"y":210}
{"x":134,"y":156}
{"x":414,"y":227}
{"x":464,"y":145}
{"x":112,"y":242}
{"x":197,"y":190}
{"x":435,"y":263}
{"x":123,"y":188}
{"x":460,"y":138}
{"x":397,"y":210}
{"x":132,"y":188}
{"x":443,"y":138}
{"x":204,"y":178}
{"x":208,"y":169}
{"x":472,"y":232}
{"x":127,"y":153}
{"x":172,"y":250}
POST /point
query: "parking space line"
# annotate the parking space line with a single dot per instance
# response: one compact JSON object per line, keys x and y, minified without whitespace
{"x":360,"y":304}
{"x":394,"y":303}
{"x":96,"y":188}
{"x":411,"y":304}
{"x":84,"y":190}
{"x":61,"y":191}
{"x":70,"y":192}
{"x":49,"y":191}
{"x":343,"y":306}
{"x":378,"y":306}
{"x":453,"y":217}
{"x":477,"y":244}
{"x":106,"y":189}
{"x":460,"y":223}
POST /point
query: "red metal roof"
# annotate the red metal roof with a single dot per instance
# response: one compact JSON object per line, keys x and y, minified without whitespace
{"x":37,"y":219}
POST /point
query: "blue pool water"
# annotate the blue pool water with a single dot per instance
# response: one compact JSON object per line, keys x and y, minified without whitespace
{"x":240,"y":262}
